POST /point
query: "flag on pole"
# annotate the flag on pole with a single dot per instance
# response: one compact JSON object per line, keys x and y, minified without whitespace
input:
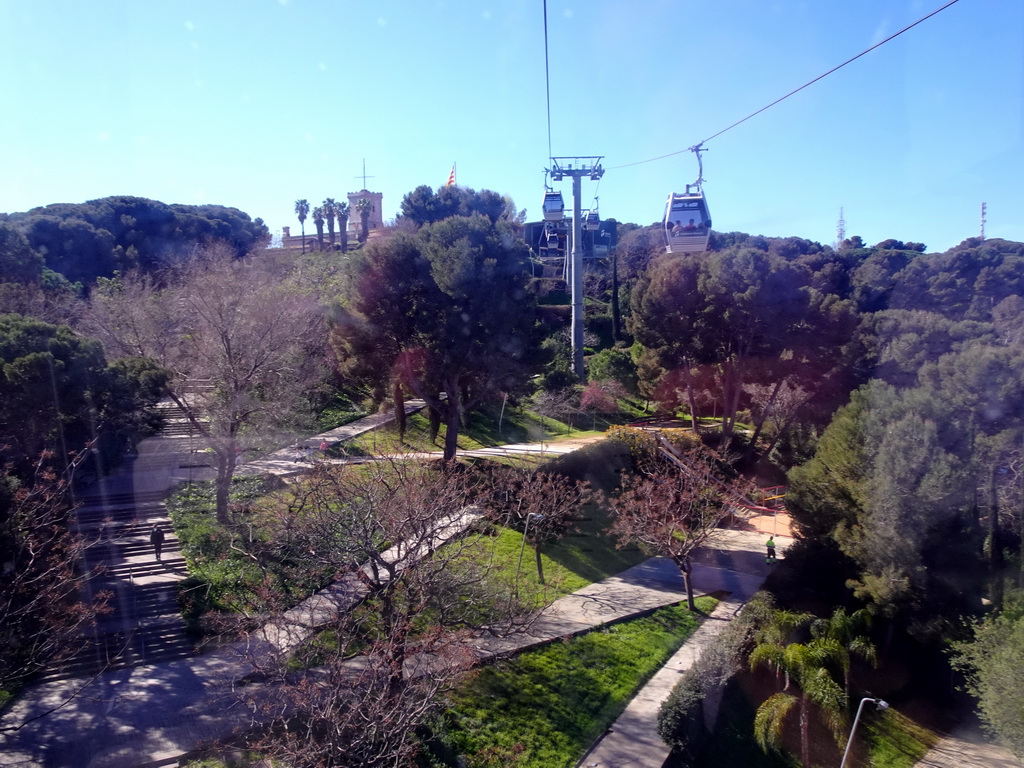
{"x":451,"y":177}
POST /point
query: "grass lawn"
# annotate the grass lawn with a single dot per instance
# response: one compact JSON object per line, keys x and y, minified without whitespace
{"x":894,"y":740}
{"x":546,"y":706}
{"x":503,"y":551}
{"x":587,"y":552}
{"x":516,"y":427}
{"x":506,"y":548}
{"x":488,"y":426}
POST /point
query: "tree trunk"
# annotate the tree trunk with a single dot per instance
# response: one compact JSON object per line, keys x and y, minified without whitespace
{"x":452,"y":422}
{"x":731,"y":390}
{"x":995,"y":550}
{"x":726,"y":423}
{"x":225,"y":472}
{"x":686,"y":567}
{"x":616,"y":319}
{"x":463,"y":412}
{"x":759,"y":425}
{"x":395,"y":642}
{"x":540,"y":567}
{"x":434,"y":417}
{"x":691,"y":399}
{"x":398,"y":397}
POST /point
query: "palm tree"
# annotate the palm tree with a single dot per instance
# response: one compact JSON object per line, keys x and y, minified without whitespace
{"x":341,"y":210}
{"x":849,"y":631}
{"x":363,"y":207}
{"x":318,"y":219}
{"x":807,"y":666}
{"x":328,"y":208}
{"x":301,"y":209}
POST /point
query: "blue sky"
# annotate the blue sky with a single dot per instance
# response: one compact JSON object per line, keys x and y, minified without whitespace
{"x":254,"y":104}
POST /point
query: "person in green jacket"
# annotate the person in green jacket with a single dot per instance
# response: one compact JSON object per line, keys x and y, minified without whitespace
{"x":770,"y":544}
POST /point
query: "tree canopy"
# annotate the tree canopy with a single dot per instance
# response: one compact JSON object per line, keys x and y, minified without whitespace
{"x":711,"y":325}
{"x":83,"y":241}
{"x":57,"y":393}
{"x":993,"y":661}
{"x":425,"y":206}
{"x":444,"y":310}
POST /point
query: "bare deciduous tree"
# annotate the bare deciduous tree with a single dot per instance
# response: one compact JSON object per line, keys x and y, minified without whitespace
{"x":242,"y":341}
{"x":542,"y":504}
{"x":670,"y":511}
{"x":415,"y":580}
{"x":42,"y":614}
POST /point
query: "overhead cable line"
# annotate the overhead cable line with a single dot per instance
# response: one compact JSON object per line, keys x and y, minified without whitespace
{"x":547,"y":74}
{"x":698,"y":145}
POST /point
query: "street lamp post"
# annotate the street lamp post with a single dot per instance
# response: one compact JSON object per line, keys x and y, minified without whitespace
{"x":522,"y":548}
{"x":853,"y":729}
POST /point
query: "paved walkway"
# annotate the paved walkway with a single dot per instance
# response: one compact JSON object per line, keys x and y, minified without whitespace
{"x":297,"y":457}
{"x":300,"y":456}
{"x":633,"y":740}
{"x":147,"y":714}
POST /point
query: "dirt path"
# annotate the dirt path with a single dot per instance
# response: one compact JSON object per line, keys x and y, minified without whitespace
{"x":967,"y":749}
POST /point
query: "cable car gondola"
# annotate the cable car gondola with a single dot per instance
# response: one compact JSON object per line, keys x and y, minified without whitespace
{"x":687,"y":220}
{"x":553,"y":206}
{"x":687,"y":223}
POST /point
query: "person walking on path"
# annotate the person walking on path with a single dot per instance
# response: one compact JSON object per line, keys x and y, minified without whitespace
{"x":156,"y":538}
{"x":770,"y":544}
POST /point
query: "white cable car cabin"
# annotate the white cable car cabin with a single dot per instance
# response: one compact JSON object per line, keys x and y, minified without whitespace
{"x":554,"y":206}
{"x":591,"y":221}
{"x":687,"y":222}
{"x":550,"y":239}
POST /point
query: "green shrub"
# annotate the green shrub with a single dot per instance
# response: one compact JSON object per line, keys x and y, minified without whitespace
{"x":642,"y":443}
{"x":686,"y":717}
{"x":598,"y":463}
{"x":193,"y":602}
{"x":681,"y":719}
{"x":601,"y":326}
{"x":614,"y":365}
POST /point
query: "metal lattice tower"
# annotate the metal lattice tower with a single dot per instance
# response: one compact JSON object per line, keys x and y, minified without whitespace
{"x":984,"y":208}
{"x":840,"y":228}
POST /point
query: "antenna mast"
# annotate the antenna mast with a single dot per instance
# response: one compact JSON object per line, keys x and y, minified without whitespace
{"x":840,"y":228}
{"x":364,"y":177}
{"x":983,"y":210}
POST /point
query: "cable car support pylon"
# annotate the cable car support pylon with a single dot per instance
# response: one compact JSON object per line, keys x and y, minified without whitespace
{"x":576,"y":168}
